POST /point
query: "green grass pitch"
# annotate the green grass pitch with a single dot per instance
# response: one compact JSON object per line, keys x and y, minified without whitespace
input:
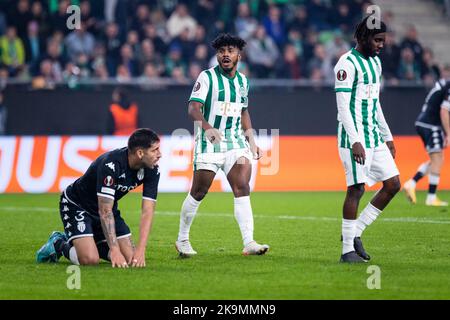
{"x":410,"y":245}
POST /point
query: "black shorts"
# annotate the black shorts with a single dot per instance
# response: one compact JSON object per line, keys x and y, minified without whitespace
{"x":78,"y":223}
{"x":433,"y":138}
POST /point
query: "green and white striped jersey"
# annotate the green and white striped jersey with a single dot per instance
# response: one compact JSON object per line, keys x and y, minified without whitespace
{"x":361,"y":78}
{"x":223,"y":100}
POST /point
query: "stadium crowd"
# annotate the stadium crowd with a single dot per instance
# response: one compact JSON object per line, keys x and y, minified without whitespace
{"x":148,"y":39}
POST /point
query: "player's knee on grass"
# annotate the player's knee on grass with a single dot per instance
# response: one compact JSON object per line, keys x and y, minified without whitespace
{"x":89,"y":259}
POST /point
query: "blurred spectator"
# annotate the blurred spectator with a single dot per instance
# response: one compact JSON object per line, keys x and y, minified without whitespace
{"x":244,"y":24}
{"x":12,"y":51}
{"x":123,"y":73}
{"x":79,"y":42}
{"x":174,"y":60}
{"x":20,"y":17}
{"x":178,"y":74}
{"x":34,"y":45}
{"x":149,"y":56}
{"x":289,"y":67}
{"x":335,"y":48}
{"x":128,"y":60}
{"x":123,"y":116}
{"x":318,"y":14}
{"x":295,"y":38}
{"x":150,"y":72}
{"x":342,"y":18}
{"x":133,"y":42}
{"x":309,"y":44}
{"x":262,"y":53}
{"x":194,"y":71}
{"x":41,"y":18}
{"x":181,"y":20}
{"x":87,"y":17}
{"x":201,"y":56}
{"x":46,"y":78}
{"x":408,"y":68}
{"x":390,"y":57}
{"x":112,"y":45}
{"x":411,"y":41}
{"x":320,"y":61}
{"x":275,"y":26}
{"x":158,"y":43}
{"x":205,"y":12}
{"x":141,"y":19}
{"x":58,"y":20}
{"x":54,"y":55}
{"x":186,"y":45}
{"x":300,"y":21}
{"x":3,"y":115}
{"x":429,"y":70}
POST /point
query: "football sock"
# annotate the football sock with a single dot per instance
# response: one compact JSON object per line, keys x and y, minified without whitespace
{"x":103,"y":250}
{"x":73,"y":257}
{"x":367,"y":216}
{"x":244,"y":217}
{"x":348,"y":234}
{"x":421,"y":172}
{"x":432,"y":187}
{"x":62,"y":248}
{"x":188,"y":212}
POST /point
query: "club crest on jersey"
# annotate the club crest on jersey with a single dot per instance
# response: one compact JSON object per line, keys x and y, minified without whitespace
{"x":140,"y":174}
{"x":81,"y":226}
{"x":197,"y":86}
{"x":341,"y":75}
{"x":243,"y":92}
{"x":109,"y":181}
{"x":111,"y":166}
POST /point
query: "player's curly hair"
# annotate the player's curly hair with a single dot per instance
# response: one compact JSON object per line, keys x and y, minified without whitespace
{"x":142,"y":138}
{"x":363,"y":31}
{"x":226,"y":39}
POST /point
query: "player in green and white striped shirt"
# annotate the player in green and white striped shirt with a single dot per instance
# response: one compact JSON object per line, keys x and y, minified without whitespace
{"x":219,"y":107}
{"x":366,"y":146}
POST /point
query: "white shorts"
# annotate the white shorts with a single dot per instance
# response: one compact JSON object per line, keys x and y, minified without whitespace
{"x":220,"y":160}
{"x":379,"y":166}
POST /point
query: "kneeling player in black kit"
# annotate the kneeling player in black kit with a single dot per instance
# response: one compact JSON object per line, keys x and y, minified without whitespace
{"x":93,"y":224}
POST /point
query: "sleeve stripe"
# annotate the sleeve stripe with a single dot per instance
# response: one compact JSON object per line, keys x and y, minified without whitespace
{"x":446,"y":105}
{"x":150,"y":199}
{"x":108,"y":191}
{"x":343,"y":90}
{"x":105,"y":196}
{"x":197,"y":100}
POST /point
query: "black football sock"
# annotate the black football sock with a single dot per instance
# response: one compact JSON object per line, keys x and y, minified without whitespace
{"x":62,"y":248}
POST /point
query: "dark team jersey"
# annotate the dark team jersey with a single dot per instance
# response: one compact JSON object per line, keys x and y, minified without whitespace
{"x":438,"y":97}
{"x":110,"y":176}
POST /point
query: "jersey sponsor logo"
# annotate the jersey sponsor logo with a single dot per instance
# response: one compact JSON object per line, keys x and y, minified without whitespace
{"x":111,"y":166}
{"x":81,"y":226}
{"x":197,"y":86}
{"x":341,"y":75}
{"x":109,"y":181}
{"x":140,"y":174}
{"x":126,"y":188}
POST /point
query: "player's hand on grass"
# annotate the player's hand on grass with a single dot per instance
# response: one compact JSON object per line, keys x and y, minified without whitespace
{"x":213,"y":135}
{"x":359,"y":154}
{"x":390,"y":145}
{"x":117,"y":258}
{"x":138,"y":260}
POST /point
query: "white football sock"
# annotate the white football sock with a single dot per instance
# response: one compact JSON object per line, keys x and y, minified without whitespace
{"x":244,"y":217}
{"x":367,"y":216}
{"x":348,"y":234}
{"x":188,"y":212}
{"x":73,"y":256}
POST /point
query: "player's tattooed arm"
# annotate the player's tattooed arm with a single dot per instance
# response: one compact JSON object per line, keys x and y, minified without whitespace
{"x":105,"y":206}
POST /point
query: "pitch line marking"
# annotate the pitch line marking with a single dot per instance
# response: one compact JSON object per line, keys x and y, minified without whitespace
{"x":437,"y":220}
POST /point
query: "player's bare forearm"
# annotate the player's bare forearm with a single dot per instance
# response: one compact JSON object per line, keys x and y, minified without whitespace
{"x":105,"y":206}
{"x":247,"y":127}
{"x":194,"y":111}
{"x":148,"y":209}
{"x":445,"y":121}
